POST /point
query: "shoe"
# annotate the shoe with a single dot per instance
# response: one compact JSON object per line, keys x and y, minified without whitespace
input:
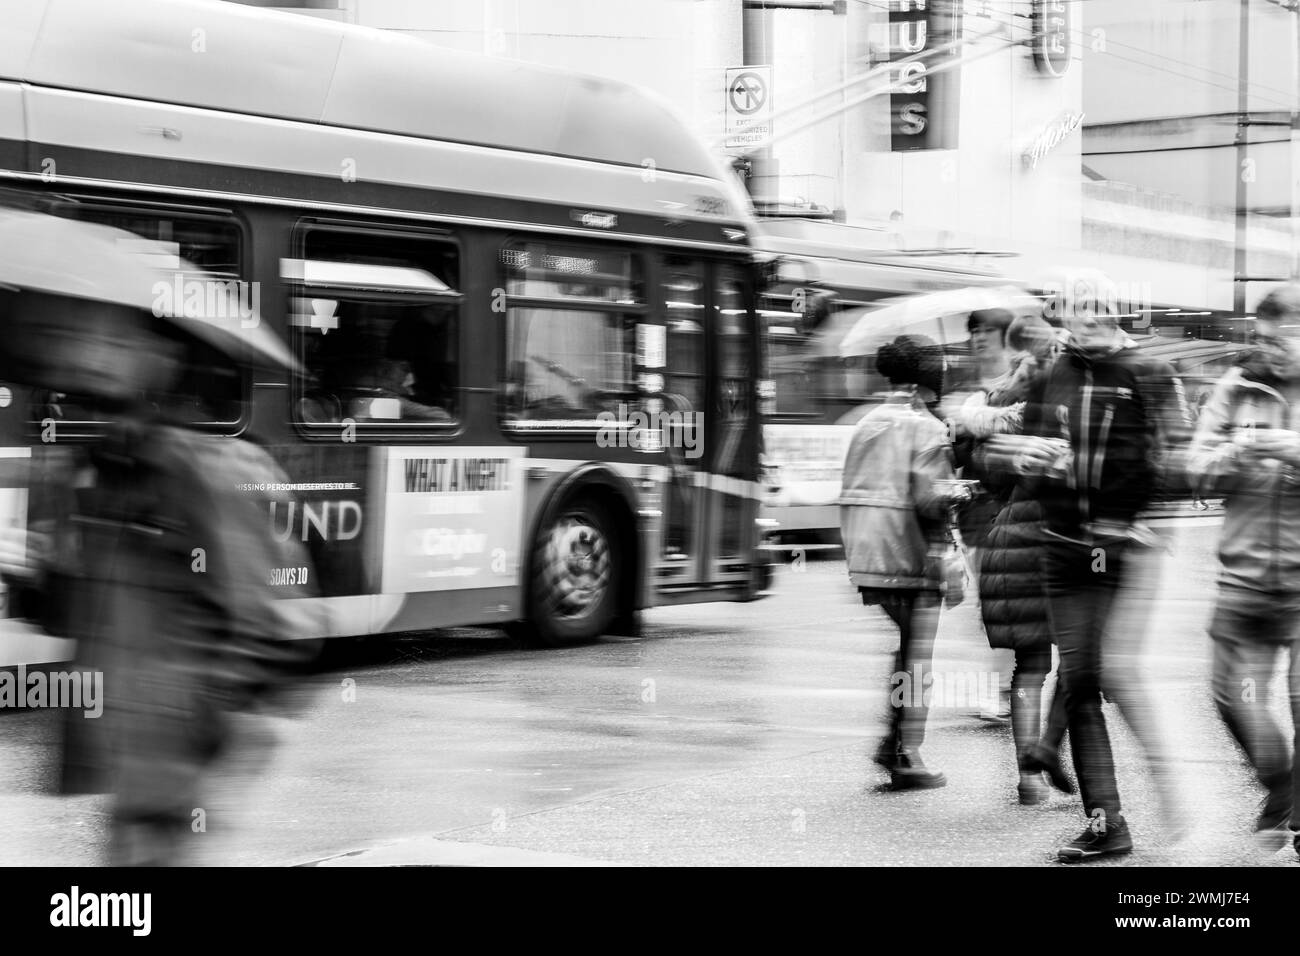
{"x":1032,"y":790}
{"x":1039,"y":758}
{"x":886,"y":754}
{"x":1101,"y":838}
{"x":910,"y":773}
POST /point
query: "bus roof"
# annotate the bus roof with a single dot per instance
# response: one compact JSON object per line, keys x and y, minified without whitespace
{"x":226,"y":56}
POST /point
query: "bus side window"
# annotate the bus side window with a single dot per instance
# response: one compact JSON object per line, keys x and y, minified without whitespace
{"x":375,"y":316}
{"x":570,"y":332}
{"x":199,"y":254}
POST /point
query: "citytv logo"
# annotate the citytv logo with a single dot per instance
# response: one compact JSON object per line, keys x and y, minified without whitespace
{"x":652,"y":430}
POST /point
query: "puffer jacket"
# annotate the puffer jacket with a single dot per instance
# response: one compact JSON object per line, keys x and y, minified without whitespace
{"x":1012,"y":603}
{"x":1260,"y":545}
{"x":891,"y":518}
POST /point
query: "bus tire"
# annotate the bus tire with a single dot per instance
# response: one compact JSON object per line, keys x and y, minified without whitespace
{"x":576,"y":569}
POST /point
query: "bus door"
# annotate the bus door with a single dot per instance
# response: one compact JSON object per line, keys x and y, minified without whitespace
{"x":709,"y":424}
{"x":731,"y":429}
{"x":685,"y":368}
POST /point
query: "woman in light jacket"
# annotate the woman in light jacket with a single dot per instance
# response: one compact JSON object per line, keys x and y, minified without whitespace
{"x":893,"y":517}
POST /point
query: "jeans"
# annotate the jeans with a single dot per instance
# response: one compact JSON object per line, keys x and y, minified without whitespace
{"x":1249,"y":628}
{"x":916,"y":614}
{"x":1127,"y":632}
{"x":1032,"y":667}
{"x":1081,"y":581}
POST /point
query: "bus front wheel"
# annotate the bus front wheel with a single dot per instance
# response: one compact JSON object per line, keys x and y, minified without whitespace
{"x":575,"y":582}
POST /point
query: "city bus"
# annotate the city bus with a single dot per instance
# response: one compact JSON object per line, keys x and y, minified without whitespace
{"x":523,"y":301}
{"x":824,"y":279}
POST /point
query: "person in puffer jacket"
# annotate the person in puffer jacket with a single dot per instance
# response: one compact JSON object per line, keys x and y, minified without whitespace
{"x":1247,"y":448}
{"x":893,"y":516}
{"x":1012,"y":605}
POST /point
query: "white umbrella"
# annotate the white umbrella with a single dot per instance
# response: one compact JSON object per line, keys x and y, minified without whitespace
{"x":87,"y":263}
{"x":940,"y":316}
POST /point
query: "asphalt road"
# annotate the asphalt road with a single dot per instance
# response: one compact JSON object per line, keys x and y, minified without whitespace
{"x":725,"y":734}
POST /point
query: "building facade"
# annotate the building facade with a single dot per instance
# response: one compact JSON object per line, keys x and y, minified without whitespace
{"x":1149,"y":138}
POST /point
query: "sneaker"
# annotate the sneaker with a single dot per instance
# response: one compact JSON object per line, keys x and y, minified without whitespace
{"x":1032,"y":790}
{"x":1101,"y":838}
{"x":910,"y":773}
{"x":1039,"y":758}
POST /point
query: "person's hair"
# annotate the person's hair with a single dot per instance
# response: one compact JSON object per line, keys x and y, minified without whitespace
{"x":912,"y":360}
{"x":1031,"y":333}
{"x":995,"y":318}
{"x":1280,"y":302}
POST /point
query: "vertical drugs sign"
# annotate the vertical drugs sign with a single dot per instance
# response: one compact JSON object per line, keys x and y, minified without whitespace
{"x":923,"y":103}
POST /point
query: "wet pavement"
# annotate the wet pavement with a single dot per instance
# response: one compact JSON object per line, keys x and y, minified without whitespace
{"x":724,"y":734}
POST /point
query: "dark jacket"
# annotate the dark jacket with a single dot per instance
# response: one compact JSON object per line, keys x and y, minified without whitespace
{"x":891,"y":519}
{"x":1260,"y":545}
{"x":1012,"y":604}
{"x":1126,"y":419}
{"x":172,"y":603}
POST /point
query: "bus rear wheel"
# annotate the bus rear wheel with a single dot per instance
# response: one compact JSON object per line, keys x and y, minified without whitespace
{"x":575,"y":582}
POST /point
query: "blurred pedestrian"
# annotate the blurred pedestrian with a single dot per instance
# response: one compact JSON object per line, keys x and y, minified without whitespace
{"x":992,"y":354}
{"x":898,"y":487}
{"x":1013,"y":607}
{"x":1097,"y":436}
{"x":1247,"y":448}
{"x":170,"y":597}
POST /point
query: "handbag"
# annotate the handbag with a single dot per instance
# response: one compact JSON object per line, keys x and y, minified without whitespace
{"x":948,"y":565}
